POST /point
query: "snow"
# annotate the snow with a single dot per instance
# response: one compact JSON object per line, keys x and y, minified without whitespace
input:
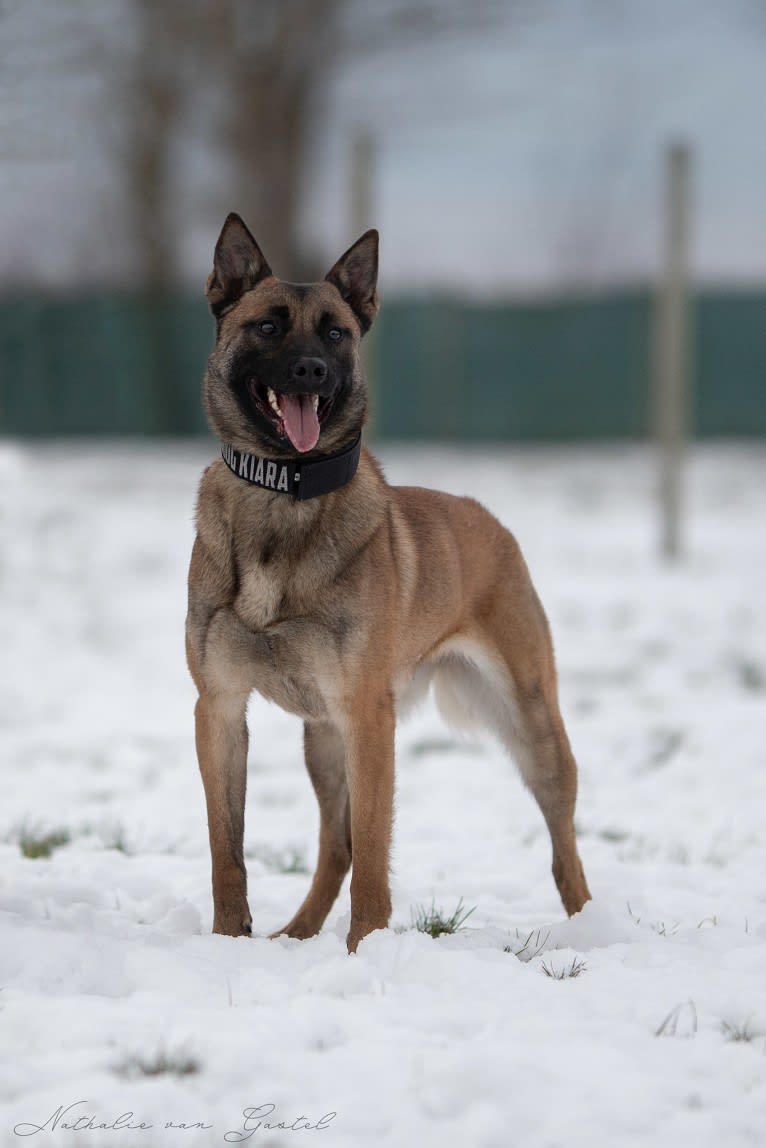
{"x":106,"y":955}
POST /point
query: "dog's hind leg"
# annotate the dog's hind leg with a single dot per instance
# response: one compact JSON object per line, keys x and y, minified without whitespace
{"x":325,"y":761}
{"x":488,"y":684}
{"x":535,"y":732}
{"x":548,"y":767}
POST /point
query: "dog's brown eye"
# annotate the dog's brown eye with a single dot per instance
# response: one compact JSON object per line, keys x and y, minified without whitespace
{"x":267,"y":328}
{"x":335,"y":334}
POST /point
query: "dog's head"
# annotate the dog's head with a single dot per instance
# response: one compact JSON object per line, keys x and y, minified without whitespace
{"x":284,"y":377}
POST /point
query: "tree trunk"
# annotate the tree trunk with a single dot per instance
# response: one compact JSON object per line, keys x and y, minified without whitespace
{"x":274,"y":93}
{"x":154,"y":104}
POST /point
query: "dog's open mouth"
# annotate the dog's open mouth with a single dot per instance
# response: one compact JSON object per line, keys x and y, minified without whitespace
{"x":294,"y":417}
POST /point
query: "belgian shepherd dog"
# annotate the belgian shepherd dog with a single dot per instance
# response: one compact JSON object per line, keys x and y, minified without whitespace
{"x":340,"y":597}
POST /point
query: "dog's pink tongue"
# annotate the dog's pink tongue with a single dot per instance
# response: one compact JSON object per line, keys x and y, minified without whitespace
{"x":300,"y":419}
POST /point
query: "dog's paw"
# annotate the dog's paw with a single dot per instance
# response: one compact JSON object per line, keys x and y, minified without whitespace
{"x":360,"y":930}
{"x":231,"y":925}
{"x":300,"y":928}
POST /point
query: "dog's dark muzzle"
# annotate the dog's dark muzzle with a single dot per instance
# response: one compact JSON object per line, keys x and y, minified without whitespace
{"x":308,"y":374}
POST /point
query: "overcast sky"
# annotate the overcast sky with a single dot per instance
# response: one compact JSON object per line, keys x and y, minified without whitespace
{"x":508,"y":161}
{"x":537,"y":155}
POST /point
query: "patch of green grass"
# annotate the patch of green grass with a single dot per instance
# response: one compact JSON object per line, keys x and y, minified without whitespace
{"x":429,"y":745}
{"x":738,"y":1033}
{"x":118,"y":841}
{"x":162,"y":1063}
{"x":573,"y":969}
{"x":292,"y":861}
{"x":680,"y":1021}
{"x":751,"y":675}
{"x":35,"y":844}
{"x":614,"y":836}
{"x":435,"y":922}
{"x":281,"y":861}
{"x":662,"y":928}
{"x":532,"y":944}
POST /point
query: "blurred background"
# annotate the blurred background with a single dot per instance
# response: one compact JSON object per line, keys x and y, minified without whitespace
{"x":511,"y":152}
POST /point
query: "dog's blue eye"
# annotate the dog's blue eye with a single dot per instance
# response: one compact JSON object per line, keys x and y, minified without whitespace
{"x":267,"y":328}
{"x":335,"y":334}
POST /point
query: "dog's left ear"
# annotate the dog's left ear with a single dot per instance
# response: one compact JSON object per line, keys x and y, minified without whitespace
{"x":356,"y":275}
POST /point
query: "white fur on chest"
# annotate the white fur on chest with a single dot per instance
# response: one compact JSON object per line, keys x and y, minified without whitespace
{"x":260,"y":596}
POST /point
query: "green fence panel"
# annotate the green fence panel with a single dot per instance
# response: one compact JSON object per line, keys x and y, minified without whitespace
{"x":730,"y":363}
{"x":103,"y":365}
{"x":547,"y":370}
{"x":22,"y":373}
{"x":444,"y":368}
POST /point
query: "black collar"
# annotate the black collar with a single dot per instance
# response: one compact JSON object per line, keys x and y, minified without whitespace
{"x":302,"y":480}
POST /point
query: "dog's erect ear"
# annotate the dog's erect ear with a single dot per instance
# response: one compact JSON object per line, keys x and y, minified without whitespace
{"x":356,"y":275}
{"x":238,"y":264}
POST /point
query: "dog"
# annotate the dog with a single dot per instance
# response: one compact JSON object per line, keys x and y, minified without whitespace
{"x":340,"y":597}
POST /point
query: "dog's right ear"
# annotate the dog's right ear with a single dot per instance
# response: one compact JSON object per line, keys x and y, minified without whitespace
{"x":238,"y":264}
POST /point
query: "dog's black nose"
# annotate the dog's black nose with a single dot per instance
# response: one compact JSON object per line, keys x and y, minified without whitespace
{"x":309,"y":372}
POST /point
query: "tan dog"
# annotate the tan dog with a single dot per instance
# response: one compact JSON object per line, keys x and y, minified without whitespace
{"x":338,"y":596}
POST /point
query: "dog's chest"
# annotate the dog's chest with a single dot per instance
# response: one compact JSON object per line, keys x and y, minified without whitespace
{"x":261,"y":596}
{"x":286,"y":597}
{"x":281,"y":591}
{"x":294,"y":658}
{"x":276,"y":562}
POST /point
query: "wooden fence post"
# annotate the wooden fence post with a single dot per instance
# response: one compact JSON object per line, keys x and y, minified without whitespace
{"x":672,"y":405}
{"x":362,"y":207}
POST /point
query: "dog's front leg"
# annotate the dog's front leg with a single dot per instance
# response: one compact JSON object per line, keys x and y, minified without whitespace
{"x":221,"y":732}
{"x":370,"y":765}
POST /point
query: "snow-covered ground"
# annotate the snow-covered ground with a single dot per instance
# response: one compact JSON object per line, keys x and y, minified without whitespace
{"x":106,"y":957}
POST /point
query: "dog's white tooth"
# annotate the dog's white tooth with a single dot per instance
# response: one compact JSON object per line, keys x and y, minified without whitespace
{"x":315,"y":401}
